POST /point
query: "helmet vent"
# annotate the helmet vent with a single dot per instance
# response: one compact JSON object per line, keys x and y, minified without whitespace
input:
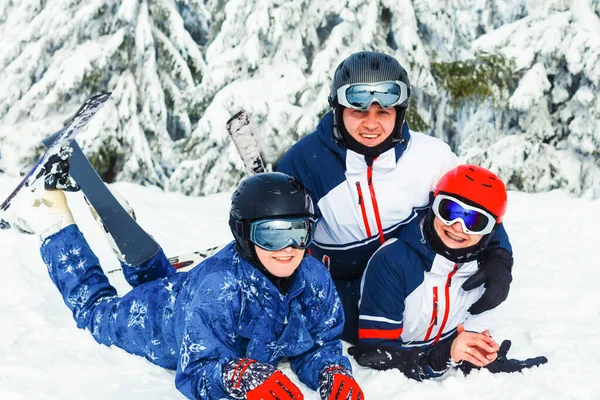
{"x":375,"y":65}
{"x":469,"y":178}
{"x":486,"y":185}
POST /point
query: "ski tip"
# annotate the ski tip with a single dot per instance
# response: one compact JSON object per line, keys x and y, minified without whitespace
{"x":237,"y":116}
{"x":102,"y":96}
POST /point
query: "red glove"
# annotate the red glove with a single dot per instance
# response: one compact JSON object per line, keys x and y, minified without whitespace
{"x":276,"y":387}
{"x":252,"y":380}
{"x":338,"y":384}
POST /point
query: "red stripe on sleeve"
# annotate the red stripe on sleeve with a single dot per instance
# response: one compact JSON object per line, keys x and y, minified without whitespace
{"x":379,"y":333}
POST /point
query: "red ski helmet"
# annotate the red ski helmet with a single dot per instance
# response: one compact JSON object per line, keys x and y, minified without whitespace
{"x":476,"y":186}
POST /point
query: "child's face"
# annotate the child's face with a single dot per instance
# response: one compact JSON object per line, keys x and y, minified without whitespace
{"x":453,"y":235}
{"x":281,"y":263}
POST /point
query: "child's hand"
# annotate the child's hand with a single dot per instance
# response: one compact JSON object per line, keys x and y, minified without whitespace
{"x":338,"y":384}
{"x":248,"y":379}
{"x":477,"y":348}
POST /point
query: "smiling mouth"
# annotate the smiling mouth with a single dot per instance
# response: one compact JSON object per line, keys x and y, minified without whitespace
{"x":284,"y":259}
{"x":454,"y":237}
{"x":369,"y":135}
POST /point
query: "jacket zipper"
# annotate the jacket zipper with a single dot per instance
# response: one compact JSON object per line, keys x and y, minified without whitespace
{"x":374,"y":200}
{"x":434,"y":313}
{"x":447,"y":308}
{"x":361,"y":203}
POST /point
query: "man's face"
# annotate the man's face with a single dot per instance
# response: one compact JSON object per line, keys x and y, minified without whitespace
{"x":370,"y":127}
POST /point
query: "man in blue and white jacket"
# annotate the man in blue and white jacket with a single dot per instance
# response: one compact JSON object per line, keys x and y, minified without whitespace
{"x":413,"y":313}
{"x":367,"y":173}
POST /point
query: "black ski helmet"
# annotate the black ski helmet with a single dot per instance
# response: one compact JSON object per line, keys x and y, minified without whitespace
{"x":367,"y":67}
{"x":267,"y":195}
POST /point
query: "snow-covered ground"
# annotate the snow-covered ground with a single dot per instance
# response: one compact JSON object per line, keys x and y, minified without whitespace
{"x":553,"y":308}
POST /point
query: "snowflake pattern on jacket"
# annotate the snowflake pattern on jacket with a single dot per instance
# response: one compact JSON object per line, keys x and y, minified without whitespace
{"x":197,"y":322}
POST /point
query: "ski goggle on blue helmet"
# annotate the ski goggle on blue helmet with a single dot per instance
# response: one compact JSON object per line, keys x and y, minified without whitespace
{"x":360,"y":96}
{"x":277,"y":234}
{"x":474,"y":220}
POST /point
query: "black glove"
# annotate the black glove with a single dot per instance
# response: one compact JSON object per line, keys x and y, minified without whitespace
{"x":411,"y":362}
{"x":56,"y":174}
{"x":503,"y":364}
{"x":495,"y":267}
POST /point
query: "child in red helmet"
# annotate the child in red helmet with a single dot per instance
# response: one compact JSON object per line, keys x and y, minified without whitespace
{"x":413,"y":313}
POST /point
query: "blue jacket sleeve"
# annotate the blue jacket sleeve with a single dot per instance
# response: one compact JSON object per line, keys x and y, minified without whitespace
{"x":325,"y":333}
{"x":206,"y":345}
{"x":500,"y":239}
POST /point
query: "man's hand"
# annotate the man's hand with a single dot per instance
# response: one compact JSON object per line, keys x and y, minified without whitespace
{"x":495,"y":273}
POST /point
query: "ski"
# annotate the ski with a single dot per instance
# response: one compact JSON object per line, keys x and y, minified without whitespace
{"x":134,"y":244}
{"x":59,"y":146}
{"x":241,"y":130}
{"x":192,"y":259}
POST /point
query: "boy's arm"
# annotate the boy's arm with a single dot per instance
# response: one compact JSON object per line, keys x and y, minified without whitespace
{"x":327,"y":351}
{"x":211,"y":364}
{"x":205,"y":347}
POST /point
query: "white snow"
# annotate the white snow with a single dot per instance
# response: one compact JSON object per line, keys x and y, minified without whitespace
{"x":553,"y":308}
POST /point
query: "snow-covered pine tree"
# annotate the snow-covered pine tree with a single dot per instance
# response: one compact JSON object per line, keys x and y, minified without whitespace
{"x":549,"y":135}
{"x":55,"y":54}
{"x":510,"y":84}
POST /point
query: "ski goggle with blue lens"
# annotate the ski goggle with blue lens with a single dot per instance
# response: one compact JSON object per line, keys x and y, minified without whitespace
{"x":360,"y":96}
{"x":474,"y":220}
{"x":277,"y":234}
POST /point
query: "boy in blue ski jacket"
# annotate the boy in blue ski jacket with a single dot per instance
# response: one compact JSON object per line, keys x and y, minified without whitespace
{"x":412,"y":306}
{"x":225,"y":325}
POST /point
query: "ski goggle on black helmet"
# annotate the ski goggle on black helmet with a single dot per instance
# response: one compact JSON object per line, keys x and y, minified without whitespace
{"x":368,"y":77}
{"x":360,"y":96}
{"x":273,"y":211}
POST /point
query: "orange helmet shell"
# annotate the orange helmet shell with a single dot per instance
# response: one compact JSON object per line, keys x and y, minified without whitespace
{"x":476,"y":186}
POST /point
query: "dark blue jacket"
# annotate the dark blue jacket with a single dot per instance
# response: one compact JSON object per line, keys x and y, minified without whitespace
{"x":360,"y":206}
{"x":412,"y":297}
{"x":197,"y":322}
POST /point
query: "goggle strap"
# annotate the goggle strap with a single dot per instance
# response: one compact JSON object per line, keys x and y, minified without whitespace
{"x":242,"y":229}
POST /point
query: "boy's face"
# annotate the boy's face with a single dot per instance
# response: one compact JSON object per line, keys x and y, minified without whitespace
{"x":371,"y":127}
{"x":453,"y":235}
{"x":281,"y":263}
